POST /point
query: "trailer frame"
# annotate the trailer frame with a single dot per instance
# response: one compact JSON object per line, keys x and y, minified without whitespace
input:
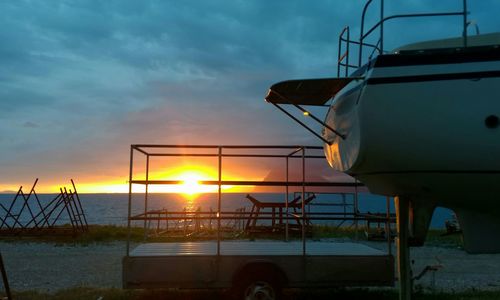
{"x":218,"y":265}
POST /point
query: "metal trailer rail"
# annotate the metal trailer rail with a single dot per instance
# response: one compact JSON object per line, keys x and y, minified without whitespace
{"x":223,"y":264}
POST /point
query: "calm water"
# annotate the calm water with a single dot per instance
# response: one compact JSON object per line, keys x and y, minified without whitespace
{"x":112,"y":208}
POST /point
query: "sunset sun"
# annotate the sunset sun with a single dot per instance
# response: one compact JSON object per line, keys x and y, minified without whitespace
{"x":191,"y":186}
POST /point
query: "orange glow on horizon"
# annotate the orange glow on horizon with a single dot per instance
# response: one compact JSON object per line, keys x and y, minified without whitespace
{"x":189,"y":174}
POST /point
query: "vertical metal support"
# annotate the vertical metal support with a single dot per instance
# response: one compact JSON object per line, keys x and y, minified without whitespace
{"x":388,"y":224}
{"x":219,"y":200}
{"x":41,"y":210}
{"x":80,"y":204}
{"x":146,"y":198}
{"x":74,"y":210}
{"x":356,"y":209}
{"x":286,"y":203}
{"x":78,"y":215}
{"x":348,"y":53}
{"x":361,"y":33}
{"x":382,"y":27}
{"x":26,"y":203}
{"x":345,"y":55}
{"x":130,"y":196}
{"x":403,"y":250}
{"x":339,"y":55}
{"x":68,"y":207}
{"x":464,"y":33}
{"x":303,"y":201}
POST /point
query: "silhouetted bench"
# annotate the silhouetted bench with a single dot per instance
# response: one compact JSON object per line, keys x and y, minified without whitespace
{"x":278,"y":207}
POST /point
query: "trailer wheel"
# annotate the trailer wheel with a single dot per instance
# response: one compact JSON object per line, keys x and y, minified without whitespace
{"x":258,"y":284}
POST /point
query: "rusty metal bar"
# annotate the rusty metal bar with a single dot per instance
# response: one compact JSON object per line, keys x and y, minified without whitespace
{"x":219,"y":200}
{"x":255,"y":183}
{"x":210,"y":213}
{"x":309,"y":114}
{"x":301,"y":123}
{"x":270,"y":217}
{"x":9,"y":211}
{"x":137,"y":146}
{"x":227,"y":155}
{"x":57,"y":200}
{"x":25,"y":203}
{"x":74,"y":209}
{"x":139,"y":149}
{"x":79,"y":204}
{"x":39,"y":205}
{"x":74,"y":213}
{"x":146,"y":194}
{"x":66,"y":203}
{"x":130,"y":197}
{"x":8,"y":214}
{"x":58,"y":204}
{"x":79,"y":210}
{"x":46,"y":221}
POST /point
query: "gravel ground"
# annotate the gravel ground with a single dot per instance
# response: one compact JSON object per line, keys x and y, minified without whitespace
{"x":49,"y":267}
{"x":458,"y":270}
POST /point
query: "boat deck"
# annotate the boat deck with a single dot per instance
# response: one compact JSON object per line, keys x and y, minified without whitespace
{"x":247,"y":248}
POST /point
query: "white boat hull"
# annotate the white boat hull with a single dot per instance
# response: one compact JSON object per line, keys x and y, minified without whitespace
{"x":420,"y":130}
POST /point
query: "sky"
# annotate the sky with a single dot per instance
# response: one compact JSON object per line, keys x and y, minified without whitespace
{"x":82,"y":80}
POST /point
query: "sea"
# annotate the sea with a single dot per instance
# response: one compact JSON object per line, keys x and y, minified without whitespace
{"x":112,"y":209}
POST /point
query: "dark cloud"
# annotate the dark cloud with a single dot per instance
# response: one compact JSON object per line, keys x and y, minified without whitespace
{"x":95,"y":76}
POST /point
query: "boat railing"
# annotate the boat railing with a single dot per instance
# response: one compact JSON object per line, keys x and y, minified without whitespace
{"x":343,"y":57}
{"x":344,"y":37}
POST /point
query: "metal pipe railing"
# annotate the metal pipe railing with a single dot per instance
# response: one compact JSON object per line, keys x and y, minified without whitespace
{"x":380,"y":24}
{"x":130,"y":177}
{"x":219,"y":200}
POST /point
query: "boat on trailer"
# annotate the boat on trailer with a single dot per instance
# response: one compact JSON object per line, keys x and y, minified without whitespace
{"x":420,"y":123}
{"x":423,"y":122}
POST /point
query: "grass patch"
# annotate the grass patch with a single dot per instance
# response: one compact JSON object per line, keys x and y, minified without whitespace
{"x":95,"y":234}
{"x":112,"y":233}
{"x":323,"y":231}
{"x":438,"y":238}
